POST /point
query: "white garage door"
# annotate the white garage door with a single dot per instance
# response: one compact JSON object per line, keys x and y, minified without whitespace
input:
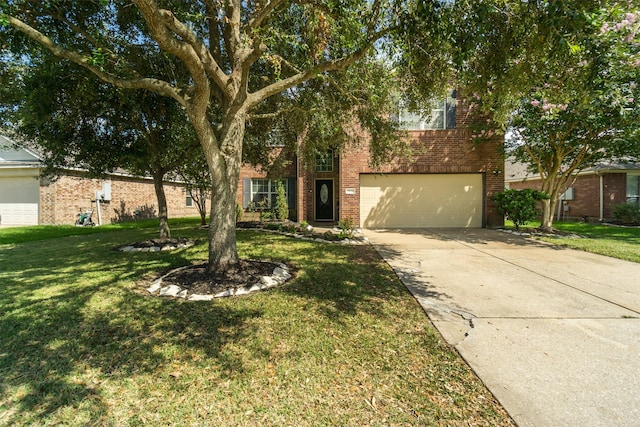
{"x":19,"y":198}
{"x":421,"y":200}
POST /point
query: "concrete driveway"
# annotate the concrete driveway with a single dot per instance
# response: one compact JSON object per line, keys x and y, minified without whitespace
{"x":554,"y":333}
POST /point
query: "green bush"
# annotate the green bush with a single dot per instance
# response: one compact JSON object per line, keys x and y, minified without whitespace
{"x":519,"y":206}
{"x":627,"y":213}
{"x":282,"y":207}
{"x":239,"y":213}
{"x":346,"y":228}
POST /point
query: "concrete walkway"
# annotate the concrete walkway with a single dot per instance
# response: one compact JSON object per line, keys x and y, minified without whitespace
{"x":554,"y":333}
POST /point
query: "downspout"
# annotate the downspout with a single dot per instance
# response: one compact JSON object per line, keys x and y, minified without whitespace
{"x":98,"y":206}
{"x":601,"y":196}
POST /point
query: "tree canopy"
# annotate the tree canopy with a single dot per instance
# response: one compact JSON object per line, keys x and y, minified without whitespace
{"x":233,"y":62}
{"x":586,"y":109}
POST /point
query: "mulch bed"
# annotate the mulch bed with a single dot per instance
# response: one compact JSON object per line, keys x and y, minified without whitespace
{"x":196,"y":279}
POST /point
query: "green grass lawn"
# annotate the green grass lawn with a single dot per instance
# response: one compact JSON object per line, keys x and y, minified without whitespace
{"x":613,"y":241}
{"x":342,"y":344}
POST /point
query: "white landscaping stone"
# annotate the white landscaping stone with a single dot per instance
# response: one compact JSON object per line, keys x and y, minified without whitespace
{"x":127,"y":249}
{"x":182,"y":293}
{"x":283,"y":266}
{"x":198,"y":297}
{"x":280,"y":275}
{"x":268,"y":281}
{"x":227,"y":293}
{"x":242,"y":291}
{"x":170,"y":291}
{"x":154,"y":249}
{"x":155,"y":286}
{"x":255,"y":287}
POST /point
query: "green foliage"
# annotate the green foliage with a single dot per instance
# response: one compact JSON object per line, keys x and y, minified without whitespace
{"x":346,"y":228}
{"x":519,"y":206}
{"x":281,"y":209}
{"x":239,"y":212}
{"x":627,"y":213}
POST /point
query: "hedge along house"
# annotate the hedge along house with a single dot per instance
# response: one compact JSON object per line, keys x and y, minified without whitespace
{"x":447,"y":182}
{"x":26,"y":198}
{"x":594,"y":193}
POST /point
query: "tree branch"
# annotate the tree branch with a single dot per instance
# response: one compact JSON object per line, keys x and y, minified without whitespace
{"x":199,"y":48}
{"x":262,"y":14}
{"x":159,"y":30}
{"x":160,"y":87}
{"x":255,"y":98}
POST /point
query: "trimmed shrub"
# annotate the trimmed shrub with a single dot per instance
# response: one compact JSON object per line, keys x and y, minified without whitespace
{"x":282,"y":207}
{"x":627,"y":213}
{"x":519,"y":206}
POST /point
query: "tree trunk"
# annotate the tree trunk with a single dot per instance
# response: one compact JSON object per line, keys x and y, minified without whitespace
{"x":551,"y":187}
{"x":548,"y":207}
{"x":163,"y":215}
{"x":225,"y":175}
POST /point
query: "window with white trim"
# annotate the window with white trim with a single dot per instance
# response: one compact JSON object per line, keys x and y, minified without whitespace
{"x":264,"y":193}
{"x":633,"y":189}
{"x":324,"y":162}
{"x":440,"y":115}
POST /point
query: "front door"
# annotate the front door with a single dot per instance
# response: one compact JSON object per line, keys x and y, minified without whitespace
{"x":324,"y":200}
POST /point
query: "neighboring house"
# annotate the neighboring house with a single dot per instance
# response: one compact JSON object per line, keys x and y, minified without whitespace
{"x":447,"y":182}
{"x":26,"y":198}
{"x":593,"y":195}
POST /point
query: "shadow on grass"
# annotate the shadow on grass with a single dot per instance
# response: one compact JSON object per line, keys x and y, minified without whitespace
{"x":73,"y":321}
{"x":67,"y":308}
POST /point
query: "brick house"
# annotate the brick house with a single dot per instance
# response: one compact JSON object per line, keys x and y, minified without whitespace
{"x":26,"y":198}
{"x":447,"y":182}
{"x":593,"y":195}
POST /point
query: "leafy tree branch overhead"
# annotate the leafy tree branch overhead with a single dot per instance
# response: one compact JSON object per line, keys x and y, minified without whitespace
{"x":232,"y":58}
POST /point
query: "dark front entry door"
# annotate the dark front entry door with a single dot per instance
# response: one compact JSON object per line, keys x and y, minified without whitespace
{"x":324,"y":200}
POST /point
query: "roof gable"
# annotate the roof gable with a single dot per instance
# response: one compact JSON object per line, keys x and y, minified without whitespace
{"x":11,"y":153}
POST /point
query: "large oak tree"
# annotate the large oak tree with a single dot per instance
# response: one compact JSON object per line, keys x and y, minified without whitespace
{"x":239,"y":58}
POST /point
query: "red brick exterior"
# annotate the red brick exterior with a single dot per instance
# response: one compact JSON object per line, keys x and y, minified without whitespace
{"x":448,"y":151}
{"x":62,"y":199}
{"x":586,"y":192}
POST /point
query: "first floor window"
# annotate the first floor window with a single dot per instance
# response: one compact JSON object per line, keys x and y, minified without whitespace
{"x":189,"y":200}
{"x":264,"y":192}
{"x":633,"y":189}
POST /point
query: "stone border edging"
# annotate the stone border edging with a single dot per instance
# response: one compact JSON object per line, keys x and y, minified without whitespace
{"x":279,"y":276}
{"x":155,"y":247}
{"x":363,"y":241}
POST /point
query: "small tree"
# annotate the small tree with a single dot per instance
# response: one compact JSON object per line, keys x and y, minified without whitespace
{"x":519,"y":206}
{"x":282,"y":207}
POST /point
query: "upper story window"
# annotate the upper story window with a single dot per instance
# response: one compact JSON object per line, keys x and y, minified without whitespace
{"x":442,"y":115}
{"x":324,"y":162}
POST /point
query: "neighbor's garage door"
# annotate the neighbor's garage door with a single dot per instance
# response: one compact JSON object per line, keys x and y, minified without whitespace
{"x":19,"y":198}
{"x":419,"y":200}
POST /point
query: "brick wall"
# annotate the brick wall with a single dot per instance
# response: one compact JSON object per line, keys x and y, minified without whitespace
{"x":62,"y":199}
{"x":433,"y":151}
{"x":586,"y":192}
{"x":283,"y":165}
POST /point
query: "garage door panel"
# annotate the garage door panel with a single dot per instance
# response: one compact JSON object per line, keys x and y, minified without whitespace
{"x":411,"y":201}
{"x":19,"y":198}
